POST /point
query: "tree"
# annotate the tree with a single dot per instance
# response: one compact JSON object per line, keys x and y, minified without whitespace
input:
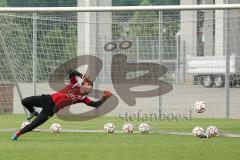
{"x":138,"y":23}
{"x":138,"y":2}
{"x":42,"y":3}
{"x":18,"y":46}
{"x":144,"y":22}
{"x":126,"y":2}
{"x":3,"y":3}
{"x":170,"y":28}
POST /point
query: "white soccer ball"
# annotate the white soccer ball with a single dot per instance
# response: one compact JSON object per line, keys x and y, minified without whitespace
{"x":127,"y":128}
{"x":200,"y":106}
{"x":198,"y":131}
{"x":212,"y":131}
{"x":144,"y":128}
{"x":109,"y":128}
{"x":55,"y":128}
{"x":24,"y":124}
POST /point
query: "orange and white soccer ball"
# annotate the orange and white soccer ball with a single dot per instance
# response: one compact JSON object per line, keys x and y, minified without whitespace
{"x":127,"y":128}
{"x":109,"y":128}
{"x":144,"y":128}
{"x":200,"y":106}
{"x":198,"y":131}
{"x":212,"y":131}
{"x":55,"y":128}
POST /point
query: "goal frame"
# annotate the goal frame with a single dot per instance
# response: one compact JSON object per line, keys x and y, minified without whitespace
{"x":133,"y":8}
{"x":121,"y":8}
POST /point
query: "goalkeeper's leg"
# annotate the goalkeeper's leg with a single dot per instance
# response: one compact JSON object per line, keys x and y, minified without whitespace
{"x":30,"y":102}
{"x":40,"y":119}
{"x":45,"y":102}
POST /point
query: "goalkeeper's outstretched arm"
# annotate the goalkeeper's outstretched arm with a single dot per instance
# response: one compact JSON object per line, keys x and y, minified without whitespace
{"x":97,"y":104}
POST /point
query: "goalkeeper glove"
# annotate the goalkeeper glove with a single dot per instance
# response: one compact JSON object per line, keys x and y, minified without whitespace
{"x":107,"y":94}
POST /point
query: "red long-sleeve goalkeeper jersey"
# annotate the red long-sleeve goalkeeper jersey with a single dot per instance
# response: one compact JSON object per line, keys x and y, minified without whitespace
{"x":69,"y":95}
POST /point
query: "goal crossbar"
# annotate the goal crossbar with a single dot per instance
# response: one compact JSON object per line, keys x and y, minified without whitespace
{"x":120,"y":8}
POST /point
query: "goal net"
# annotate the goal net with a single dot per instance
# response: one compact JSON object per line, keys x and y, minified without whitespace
{"x":179,"y":48}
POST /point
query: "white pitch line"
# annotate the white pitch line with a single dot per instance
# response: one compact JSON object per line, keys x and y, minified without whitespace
{"x":232,"y":135}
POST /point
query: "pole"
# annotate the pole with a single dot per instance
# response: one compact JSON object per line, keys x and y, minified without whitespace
{"x":227,"y":74}
{"x":97,"y":53}
{"x":160,"y":108}
{"x":34,"y":53}
{"x":178,"y":57}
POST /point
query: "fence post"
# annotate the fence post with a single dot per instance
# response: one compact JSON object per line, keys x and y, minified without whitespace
{"x":34,"y":53}
{"x":227,"y":72}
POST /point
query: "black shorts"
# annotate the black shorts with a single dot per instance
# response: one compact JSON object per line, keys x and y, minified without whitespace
{"x":48,"y":106}
{"x":43,"y":101}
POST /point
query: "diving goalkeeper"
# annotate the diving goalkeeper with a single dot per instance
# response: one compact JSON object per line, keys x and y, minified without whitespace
{"x":51,"y":104}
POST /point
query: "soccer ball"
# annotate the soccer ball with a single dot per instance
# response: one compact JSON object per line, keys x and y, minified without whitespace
{"x":127,"y":128}
{"x":144,"y":128}
{"x":198,"y":131}
{"x":109,"y":128}
{"x":24,"y":124}
{"x":55,"y":128}
{"x":200,"y":106}
{"x":212,"y":131}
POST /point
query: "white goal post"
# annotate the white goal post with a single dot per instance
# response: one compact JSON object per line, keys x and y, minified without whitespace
{"x":121,"y":8}
{"x":37,"y":40}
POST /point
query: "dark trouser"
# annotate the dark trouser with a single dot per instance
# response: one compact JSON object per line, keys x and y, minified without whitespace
{"x":48,"y":110}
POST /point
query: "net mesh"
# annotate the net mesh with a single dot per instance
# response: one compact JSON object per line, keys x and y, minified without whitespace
{"x":160,"y":37}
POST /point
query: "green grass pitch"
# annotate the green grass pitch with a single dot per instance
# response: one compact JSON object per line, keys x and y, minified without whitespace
{"x":118,"y":146}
